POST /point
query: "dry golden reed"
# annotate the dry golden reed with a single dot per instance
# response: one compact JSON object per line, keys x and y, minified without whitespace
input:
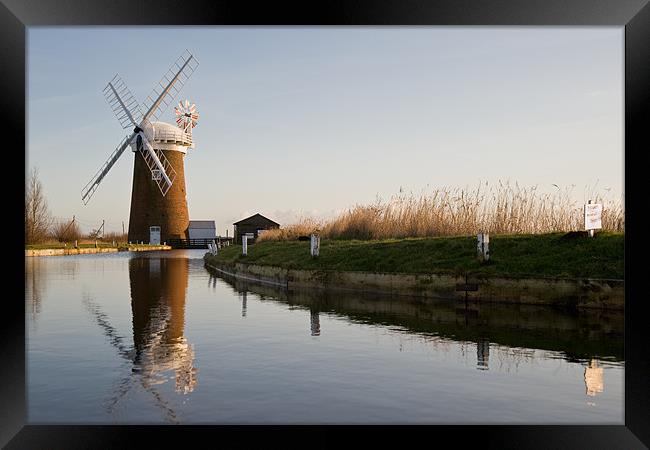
{"x":502,"y":209}
{"x":303,"y":227}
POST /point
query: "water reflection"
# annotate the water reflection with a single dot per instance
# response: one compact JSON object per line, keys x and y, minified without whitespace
{"x":314,"y":321}
{"x":35,"y":280}
{"x":158,"y":291}
{"x":482,"y":354}
{"x":33,"y":288}
{"x":263,"y":349}
{"x":593,"y":378}
{"x":512,"y":333}
{"x":243,"y":304}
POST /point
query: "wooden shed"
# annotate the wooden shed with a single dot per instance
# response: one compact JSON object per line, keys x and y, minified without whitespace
{"x":253,"y":225}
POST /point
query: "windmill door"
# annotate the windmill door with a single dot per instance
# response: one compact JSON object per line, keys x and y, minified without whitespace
{"x":154,"y":235}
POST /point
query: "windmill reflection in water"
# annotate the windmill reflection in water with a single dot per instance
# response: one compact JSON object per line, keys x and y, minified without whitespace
{"x":158,"y":290}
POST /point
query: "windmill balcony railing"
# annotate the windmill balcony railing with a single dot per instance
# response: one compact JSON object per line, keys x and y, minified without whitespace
{"x":175,"y":137}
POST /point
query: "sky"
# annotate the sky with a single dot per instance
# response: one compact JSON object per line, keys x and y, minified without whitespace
{"x":309,"y":121}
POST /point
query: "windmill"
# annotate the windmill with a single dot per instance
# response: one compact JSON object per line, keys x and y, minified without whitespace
{"x":158,"y":199}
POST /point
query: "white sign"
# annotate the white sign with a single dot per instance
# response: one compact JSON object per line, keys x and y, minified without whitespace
{"x":593,"y":216}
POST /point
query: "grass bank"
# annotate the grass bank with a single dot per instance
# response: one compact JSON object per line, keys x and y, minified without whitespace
{"x":545,"y":255}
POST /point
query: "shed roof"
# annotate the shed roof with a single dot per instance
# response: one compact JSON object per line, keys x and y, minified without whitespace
{"x":202,"y":224}
{"x":257,"y":216}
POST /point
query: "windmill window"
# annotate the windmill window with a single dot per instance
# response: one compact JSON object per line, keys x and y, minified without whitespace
{"x":156,"y":175}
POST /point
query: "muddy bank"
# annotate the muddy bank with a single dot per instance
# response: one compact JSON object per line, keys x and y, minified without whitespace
{"x":580,"y":334}
{"x":573,"y":293}
{"x":83,"y":251}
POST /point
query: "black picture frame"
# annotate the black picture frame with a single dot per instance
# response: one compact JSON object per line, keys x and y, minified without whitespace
{"x":634,"y":15}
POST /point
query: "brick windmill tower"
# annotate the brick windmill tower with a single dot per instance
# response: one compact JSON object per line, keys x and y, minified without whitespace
{"x":158,"y":198}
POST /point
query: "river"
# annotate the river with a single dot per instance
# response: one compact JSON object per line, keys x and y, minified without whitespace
{"x":156,"y":338}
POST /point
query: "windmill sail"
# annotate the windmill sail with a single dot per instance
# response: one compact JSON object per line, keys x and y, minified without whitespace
{"x":170,"y":85}
{"x":123,"y":103}
{"x":88,"y":191}
{"x":162,"y":171}
{"x":128,"y":113}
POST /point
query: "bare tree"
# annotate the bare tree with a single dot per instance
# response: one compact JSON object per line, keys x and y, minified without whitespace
{"x":37,"y":214}
{"x":66,"y":231}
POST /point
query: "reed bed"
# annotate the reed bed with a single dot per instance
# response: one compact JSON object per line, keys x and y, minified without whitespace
{"x":303,"y":227}
{"x":499,"y":209}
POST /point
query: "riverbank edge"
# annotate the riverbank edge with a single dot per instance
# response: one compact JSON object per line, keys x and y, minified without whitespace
{"x":565,"y":292}
{"x":83,"y":251}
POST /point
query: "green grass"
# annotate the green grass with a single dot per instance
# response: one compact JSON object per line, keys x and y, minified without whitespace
{"x":546,"y":255}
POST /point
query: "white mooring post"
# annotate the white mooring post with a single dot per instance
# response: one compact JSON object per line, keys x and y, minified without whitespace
{"x":483,"y":246}
{"x":244,"y":244}
{"x":315,"y":245}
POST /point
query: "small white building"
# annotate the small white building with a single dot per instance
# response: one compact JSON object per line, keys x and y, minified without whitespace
{"x":202,"y":229}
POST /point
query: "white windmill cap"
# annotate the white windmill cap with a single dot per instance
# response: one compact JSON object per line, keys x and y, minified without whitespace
{"x":170,"y":137}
